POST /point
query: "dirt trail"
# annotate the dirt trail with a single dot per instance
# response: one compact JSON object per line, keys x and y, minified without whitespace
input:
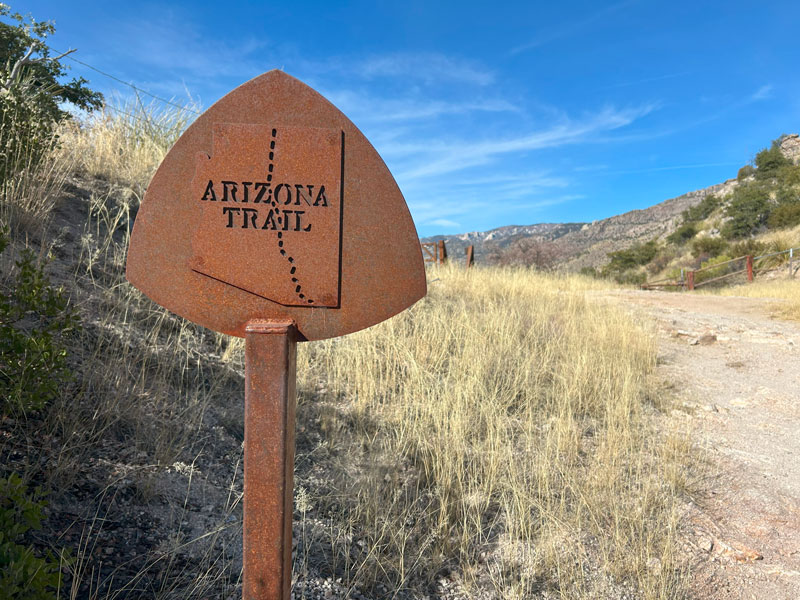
{"x":736,"y":371}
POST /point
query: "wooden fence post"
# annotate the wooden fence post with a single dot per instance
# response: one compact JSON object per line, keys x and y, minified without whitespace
{"x":690,"y":281}
{"x":442,"y":252}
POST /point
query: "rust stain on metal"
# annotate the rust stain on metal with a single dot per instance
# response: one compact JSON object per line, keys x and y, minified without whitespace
{"x":270,"y":365}
{"x":357,"y":269}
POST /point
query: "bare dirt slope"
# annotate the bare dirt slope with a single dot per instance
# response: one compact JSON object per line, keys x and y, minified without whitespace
{"x":736,"y":371}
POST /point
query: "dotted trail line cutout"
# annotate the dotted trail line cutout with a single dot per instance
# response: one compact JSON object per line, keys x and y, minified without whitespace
{"x":293,"y":270}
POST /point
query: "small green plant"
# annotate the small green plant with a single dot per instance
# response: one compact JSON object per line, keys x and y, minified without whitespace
{"x":722,"y":269}
{"x":708,"y":246}
{"x":23,"y":574}
{"x":683,"y":233}
{"x":745,"y":172}
{"x":35,"y":318}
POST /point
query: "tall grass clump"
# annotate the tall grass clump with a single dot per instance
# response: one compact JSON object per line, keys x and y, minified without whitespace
{"x":124,"y":142}
{"x":506,"y":421}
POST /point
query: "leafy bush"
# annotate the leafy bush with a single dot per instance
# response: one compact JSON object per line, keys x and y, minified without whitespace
{"x":32,"y":94}
{"x":23,"y":575}
{"x":745,"y":171}
{"x":784,"y":215}
{"x":748,"y":211}
{"x":34,"y":320}
{"x":683,"y":233}
{"x":708,"y":246}
{"x":703,"y":209}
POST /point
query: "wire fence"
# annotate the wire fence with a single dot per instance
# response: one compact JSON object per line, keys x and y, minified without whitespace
{"x":123,"y":82}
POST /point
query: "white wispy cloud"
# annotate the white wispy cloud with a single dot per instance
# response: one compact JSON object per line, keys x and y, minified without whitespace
{"x":436,"y":158}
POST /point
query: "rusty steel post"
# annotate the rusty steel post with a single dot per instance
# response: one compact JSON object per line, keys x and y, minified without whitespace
{"x":690,"y":280}
{"x":749,"y":268}
{"x":269,"y":411}
{"x":442,"y":252}
{"x":470,"y":256}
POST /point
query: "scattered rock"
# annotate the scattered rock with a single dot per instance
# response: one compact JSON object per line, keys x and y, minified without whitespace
{"x":707,"y":339}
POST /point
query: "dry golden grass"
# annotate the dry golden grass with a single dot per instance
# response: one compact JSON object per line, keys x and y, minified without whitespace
{"x":124,"y":143}
{"x":505,"y":417}
{"x":27,"y":197}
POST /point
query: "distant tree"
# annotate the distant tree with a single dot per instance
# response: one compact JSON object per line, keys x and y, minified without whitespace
{"x":770,"y":160}
{"x":748,"y":211}
{"x":25,"y":56}
{"x":526,"y":251}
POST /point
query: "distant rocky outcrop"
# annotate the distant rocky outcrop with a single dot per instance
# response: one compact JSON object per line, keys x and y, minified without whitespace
{"x":790,"y":146}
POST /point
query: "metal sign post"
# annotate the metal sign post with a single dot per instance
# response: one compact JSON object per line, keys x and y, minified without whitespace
{"x":269,"y":399}
{"x":274,"y":219}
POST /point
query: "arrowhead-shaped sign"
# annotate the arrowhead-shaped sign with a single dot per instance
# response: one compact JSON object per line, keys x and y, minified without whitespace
{"x":273,"y":205}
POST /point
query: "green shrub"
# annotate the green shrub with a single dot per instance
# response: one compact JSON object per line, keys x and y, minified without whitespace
{"x":770,"y":160}
{"x":683,"y":233}
{"x":636,"y":255}
{"x":631,"y":278}
{"x":784,"y":215}
{"x":33,"y":94}
{"x":748,"y":211}
{"x":589,"y":272}
{"x":35,"y":318}
{"x":718,"y":271}
{"x":703,"y":209}
{"x":23,"y":574}
{"x":745,"y":171}
{"x":749,"y":247}
{"x":708,"y":246}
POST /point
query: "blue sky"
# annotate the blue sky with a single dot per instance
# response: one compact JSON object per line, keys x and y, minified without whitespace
{"x":487,"y":114}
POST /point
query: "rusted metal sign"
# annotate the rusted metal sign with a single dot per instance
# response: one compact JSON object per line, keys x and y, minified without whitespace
{"x":274,"y":219}
{"x":274,"y":205}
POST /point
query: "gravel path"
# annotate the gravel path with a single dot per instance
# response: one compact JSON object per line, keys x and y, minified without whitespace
{"x":736,"y":372}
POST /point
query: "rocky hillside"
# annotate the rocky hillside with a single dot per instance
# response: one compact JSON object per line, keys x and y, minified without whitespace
{"x":579,"y":245}
{"x":485,"y":241}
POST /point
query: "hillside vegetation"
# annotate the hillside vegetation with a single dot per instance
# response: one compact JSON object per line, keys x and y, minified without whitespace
{"x":760,"y":215}
{"x":500,"y":439}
